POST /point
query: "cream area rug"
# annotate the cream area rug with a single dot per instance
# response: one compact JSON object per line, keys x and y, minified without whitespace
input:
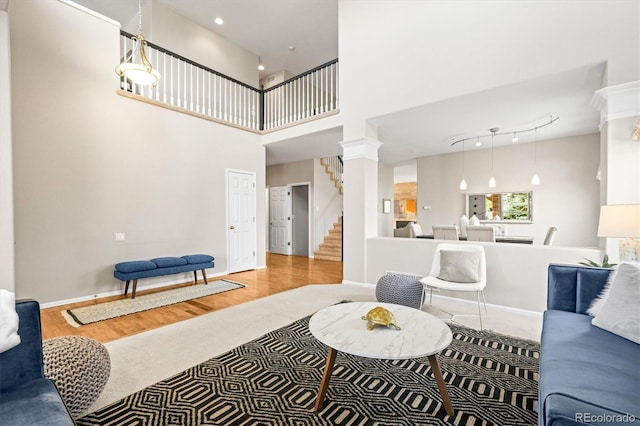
{"x":140,"y":360}
{"x":117,"y":308}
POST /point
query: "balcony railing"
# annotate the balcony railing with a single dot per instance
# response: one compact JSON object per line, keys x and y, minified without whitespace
{"x":196,"y":89}
{"x":312,"y":93}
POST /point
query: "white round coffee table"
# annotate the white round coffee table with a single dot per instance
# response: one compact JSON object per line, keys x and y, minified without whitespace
{"x":342,"y":328}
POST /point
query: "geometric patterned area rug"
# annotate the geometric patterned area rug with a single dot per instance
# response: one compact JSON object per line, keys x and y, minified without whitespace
{"x":117,"y":308}
{"x":492,"y":379}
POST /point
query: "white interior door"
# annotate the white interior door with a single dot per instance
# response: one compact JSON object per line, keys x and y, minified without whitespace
{"x":280,"y":220}
{"x":241,"y":222}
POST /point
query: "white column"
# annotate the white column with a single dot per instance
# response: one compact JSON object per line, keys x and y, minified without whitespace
{"x":360,"y":185}
{"x":619,"y":108}
{"x":7,"y":278}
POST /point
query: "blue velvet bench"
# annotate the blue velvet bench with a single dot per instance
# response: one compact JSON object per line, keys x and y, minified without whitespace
{"x":137,"y":269}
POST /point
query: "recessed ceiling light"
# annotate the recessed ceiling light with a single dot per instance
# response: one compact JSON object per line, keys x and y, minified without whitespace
{"x":292,"y":48}
{"x":261,"y":67}
{"x":219,"y":21}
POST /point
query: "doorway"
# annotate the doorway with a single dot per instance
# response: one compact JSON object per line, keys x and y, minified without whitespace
{"x":241,"y":220}
{"x":289,"y":219}
{"x":300,"y":208}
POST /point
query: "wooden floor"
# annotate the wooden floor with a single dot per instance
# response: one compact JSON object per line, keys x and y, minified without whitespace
{"x":282,"y":273}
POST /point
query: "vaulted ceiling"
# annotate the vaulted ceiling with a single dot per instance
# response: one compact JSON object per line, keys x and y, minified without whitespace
{"x":297,"y":35}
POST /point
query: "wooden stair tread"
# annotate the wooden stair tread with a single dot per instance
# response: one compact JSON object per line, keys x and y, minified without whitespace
{"x":331,"y":247}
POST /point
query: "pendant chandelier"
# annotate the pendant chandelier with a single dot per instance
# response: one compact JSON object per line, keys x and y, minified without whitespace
{"x":492,"y":180}
{"x":135,"y":66}
{"x":535,"y":179}
{"x":463,"y":183}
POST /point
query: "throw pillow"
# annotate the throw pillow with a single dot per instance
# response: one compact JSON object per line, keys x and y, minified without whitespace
{"x":620,"y":313}
{"x":598,"y":302}
{"x":459,"y":266}
{"x":464,"y":222}
{"x":8,"y":321}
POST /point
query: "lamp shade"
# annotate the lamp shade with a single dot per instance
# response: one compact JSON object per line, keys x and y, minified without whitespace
{"x":619,"y":221}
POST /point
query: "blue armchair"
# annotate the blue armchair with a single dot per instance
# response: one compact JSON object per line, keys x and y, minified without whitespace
{"x":27,"y":397}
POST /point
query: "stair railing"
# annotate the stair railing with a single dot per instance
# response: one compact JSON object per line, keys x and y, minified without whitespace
{"x":335,"y":168}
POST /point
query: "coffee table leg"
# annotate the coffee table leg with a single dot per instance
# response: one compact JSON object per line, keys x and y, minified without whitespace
{"x":437,"y":373}
{"x":324,"y":384}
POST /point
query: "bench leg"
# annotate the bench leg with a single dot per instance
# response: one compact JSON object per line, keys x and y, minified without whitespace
{"x":205,"y":277}
{"x":126,"y":287}
{"x":133,"y":289}
{"x":195,"y":277}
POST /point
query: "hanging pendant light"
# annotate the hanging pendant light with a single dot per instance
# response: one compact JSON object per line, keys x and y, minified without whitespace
{"x":463,"y":183}
{"x":492,"y":180}
{"x":135,"y":66}
{"x":535,"y":179}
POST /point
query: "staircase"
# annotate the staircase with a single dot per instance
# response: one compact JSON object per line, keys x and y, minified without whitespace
{"x":333,"y":166}
{"x":331,"y":248}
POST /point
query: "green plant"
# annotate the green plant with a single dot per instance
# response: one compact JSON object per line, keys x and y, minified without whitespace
{"x":605,"y":263}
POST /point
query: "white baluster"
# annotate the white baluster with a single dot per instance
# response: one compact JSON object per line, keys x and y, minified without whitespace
{"x":209,"y":93}
{"x":331,"y":83}
{"x":294,"y":100}
{"x":159,"y":84}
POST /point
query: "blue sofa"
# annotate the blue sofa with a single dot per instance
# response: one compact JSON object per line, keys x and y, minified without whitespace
{"x":27,"y":397}
{"x":160,"y":266}
{"x":587,"y":375}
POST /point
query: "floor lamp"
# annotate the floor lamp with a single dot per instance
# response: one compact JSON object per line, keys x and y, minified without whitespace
{"x":622,"y":221}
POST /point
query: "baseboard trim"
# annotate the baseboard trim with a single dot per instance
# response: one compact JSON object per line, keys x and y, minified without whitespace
{"x":141,"y":287}
{"x":358,"y":284}
{"x":437,"y":296}
{"x":506,"y":308}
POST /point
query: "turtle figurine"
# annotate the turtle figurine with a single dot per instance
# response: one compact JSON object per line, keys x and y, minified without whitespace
{"x":380,"y":316}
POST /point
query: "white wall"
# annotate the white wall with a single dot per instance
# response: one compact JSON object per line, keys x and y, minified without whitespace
{"x":178,"y":34}
{"x":327,"y":203}
{"x":385,"y":191}
{"x":620,"y":171}
{"x":405,"y":172}
{"x":568,"y":195}
{"x":285,"y":174}
{"x":516,"y":273}
{"x":623,"y":162}
{"x":164,"y":27}
{"x":6,"y":169}
{"x":417,"y":68}
{"x":89,"y":163}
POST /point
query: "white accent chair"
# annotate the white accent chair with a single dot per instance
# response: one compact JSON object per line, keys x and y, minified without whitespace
{"x":412,"y":230}
{"x":432,"y":281}
{"x":445,"y":232}
{"x":481,"y":233}
{"x":551,"y":234}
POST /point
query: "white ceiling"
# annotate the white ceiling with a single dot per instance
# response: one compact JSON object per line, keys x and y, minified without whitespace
{"x":268,"y":27}
{"x":430,"y":129}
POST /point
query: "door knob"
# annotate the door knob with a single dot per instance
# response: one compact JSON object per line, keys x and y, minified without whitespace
{"x":232,"y":227}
